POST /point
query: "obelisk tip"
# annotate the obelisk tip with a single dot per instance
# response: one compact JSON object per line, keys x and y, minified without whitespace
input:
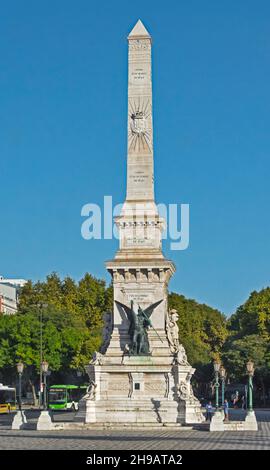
{"x":139,"y":30}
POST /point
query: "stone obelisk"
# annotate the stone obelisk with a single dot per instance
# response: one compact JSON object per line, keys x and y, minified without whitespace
{"x":141,"y":376}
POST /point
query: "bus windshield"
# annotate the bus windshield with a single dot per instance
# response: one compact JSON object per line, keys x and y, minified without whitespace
{"x":8,"y":396}
{"x":57,"y":395}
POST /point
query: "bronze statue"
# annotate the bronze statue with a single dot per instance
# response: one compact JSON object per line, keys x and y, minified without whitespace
{"x":139,"y":324}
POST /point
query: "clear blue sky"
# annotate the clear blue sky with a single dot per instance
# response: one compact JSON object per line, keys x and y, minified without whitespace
{"x":63,"y":95}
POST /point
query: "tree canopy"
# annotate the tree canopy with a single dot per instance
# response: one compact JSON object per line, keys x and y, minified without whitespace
{"x":202,"y":329}
{"x":71,"y":316}
{"x":248,"y":339}
{"x":72,"y":321}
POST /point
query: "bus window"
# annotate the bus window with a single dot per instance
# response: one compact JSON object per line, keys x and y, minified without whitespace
{"x":7,"y":399}
{"x":57,"y":396}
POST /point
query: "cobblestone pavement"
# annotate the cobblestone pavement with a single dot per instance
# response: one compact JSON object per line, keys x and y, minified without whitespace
{"x":137,"y":440}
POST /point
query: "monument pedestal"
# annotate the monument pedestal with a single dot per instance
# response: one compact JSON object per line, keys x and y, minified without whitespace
{"x":140,"y":391}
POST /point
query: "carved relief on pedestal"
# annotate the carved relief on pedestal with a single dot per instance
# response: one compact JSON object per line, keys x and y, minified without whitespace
{"x":185,"y":394}
{"x":167,"y":382}
{"x":155,"y":388}
{"x":183,"y":391}
{"x":140,"y":126}
{"x":107,"y":331}
{"x":120,"y":385}
{"x":172,"y":331}
{"x":181,"y":357}
{"x":118,"y":275}
{"x":91,"y":391}
{"x":97,"y":359}
{"x":141,"y":275}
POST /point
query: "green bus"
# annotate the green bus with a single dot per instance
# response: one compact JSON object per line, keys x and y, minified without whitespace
{"x":65,"y":397}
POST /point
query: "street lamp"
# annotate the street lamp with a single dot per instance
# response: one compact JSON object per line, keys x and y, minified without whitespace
{"x":79,"y":375}
{"x":250,"y":371}
{"x":216,"y":369}
{"x":20,"y":371}
{"x":44,"y":368}
{"x":222,"y":373}
{"x":41,"y":306}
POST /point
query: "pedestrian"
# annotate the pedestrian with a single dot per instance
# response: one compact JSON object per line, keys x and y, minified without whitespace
{"x":235,"y":399}
{"x":243,"y":400}
{"x":209,"y":411}
{"x":226,"y":410}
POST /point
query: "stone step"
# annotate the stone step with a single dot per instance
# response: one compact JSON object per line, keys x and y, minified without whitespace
{"x":121,"y":427}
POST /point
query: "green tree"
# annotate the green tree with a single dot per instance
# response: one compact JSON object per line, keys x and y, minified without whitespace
{"x":249,"y":334}
{"x":253,"y":317}
{"x":91,"y":300}
{"x":69,"y":293}
{"x":72,"y":319}
{"x":202,"y":329}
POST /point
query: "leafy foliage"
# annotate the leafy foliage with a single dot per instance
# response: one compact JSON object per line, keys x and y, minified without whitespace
{"x":253,"y":317}
{"x":202,"y":329}
{"x":249,"y":334}
{"x":72,"y":319}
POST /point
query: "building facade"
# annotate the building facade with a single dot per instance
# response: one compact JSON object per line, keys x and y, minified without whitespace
{"x":9,"y":292}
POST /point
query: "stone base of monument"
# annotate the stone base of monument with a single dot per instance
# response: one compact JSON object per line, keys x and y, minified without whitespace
{"x":121,"y":426}
{"x":143,"y":391}
{"x":45,"y":422}
{"x":19,"y":421}
{"x":251,"y":422}
{"x":218,"y":423}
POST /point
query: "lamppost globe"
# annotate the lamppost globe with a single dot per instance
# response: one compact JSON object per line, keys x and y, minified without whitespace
{"x":250,"y":368}
{"x":20,"y":367}
{"x":222,"y":372}
{"x":217,"y":366}
{"x":44,"y":367}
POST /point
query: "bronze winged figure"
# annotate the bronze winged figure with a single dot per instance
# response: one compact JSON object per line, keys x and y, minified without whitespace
{"x":139,"y":324}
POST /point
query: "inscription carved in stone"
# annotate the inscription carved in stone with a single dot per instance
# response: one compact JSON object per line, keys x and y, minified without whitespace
{"x":139,"y":45}
{"x":119,"y":386}
{"x":155,"y":387}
